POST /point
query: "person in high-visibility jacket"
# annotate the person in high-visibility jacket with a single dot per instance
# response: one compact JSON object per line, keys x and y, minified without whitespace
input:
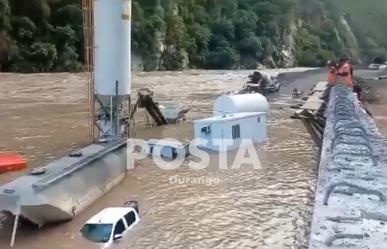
{"x":332,"y":73}
{"x":332,"y":79}
{"x":344,"y":72}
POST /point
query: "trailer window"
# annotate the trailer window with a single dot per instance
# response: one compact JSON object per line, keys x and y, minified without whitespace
{"x":205,"y":129}
{"x":236,"y":132}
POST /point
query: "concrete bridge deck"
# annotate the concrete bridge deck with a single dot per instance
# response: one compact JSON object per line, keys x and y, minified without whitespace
{"x":351,"y":196}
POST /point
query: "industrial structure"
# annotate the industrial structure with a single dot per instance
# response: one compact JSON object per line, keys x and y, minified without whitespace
{"x":107,"y":29}
{"x":61,"y":189}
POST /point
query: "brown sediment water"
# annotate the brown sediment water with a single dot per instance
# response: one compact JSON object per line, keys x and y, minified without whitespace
{"x":43,"y":116}
{"x":378,"y":107}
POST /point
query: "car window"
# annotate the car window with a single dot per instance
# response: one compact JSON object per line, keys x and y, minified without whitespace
{"x":130,"y":218}
{"x":174,"y":153}
{"x":99,"y":233}
{"x":120,"y":227}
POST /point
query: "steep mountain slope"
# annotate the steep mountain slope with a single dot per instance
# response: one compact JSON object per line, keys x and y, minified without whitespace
{"x":246,"y":33}
{"x":367,"y":20}
{"x":46,"y":35}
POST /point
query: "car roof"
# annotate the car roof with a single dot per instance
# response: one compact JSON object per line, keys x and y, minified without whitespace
{"x":110,"y":215}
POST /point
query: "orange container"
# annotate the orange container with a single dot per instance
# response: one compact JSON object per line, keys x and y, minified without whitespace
{"x":10,"y":161}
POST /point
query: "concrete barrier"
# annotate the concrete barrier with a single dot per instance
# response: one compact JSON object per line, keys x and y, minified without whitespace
{"x":350,"y":207}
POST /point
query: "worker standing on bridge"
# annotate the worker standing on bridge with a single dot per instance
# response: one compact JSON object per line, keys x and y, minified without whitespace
{"x":332,"y":79}
{"x":332,"y":73}
{"x":344,"y":72}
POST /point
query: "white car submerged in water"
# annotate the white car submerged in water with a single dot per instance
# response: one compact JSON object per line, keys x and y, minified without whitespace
{"x":110,"y":225}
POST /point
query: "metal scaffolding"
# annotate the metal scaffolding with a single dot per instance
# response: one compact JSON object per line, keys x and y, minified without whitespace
{"x":88,"y":22}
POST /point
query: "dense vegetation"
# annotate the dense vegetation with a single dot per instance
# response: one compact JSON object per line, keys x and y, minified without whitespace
{"x":46,"y":35}
{"x":41,"y":35}
{"x":368,"y":21}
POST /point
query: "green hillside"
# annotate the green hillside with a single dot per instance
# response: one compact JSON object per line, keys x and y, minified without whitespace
{"x":46,"y":35}
{"x":368,"y":20}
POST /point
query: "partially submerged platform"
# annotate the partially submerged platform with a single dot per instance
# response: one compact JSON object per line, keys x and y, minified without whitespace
{"x":312,"y":112}
{"x":314,"y":102}
{"x":351,"y":198}
{"x":63,"y":188}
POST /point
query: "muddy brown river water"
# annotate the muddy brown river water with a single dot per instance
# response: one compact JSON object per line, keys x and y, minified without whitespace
{"x":43,"y":116}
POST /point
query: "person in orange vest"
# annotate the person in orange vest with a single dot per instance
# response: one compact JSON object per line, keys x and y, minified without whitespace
{"x":332,"y":73}
{"x":344,"y":72}
{"x":332,"y":79}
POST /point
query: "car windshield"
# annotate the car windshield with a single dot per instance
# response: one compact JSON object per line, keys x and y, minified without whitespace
{"x":99,"y":233}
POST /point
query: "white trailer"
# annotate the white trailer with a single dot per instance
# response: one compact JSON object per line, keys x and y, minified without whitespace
{"x":219,"y":131}
{"x":238,"y":103}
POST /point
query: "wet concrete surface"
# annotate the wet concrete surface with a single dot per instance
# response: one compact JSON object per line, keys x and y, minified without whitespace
{"x":350,"y":204}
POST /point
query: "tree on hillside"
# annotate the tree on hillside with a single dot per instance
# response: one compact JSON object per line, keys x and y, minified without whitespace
{"x":4,"y":28}
{"x":177,"y":34}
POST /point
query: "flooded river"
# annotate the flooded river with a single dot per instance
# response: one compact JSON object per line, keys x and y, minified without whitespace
{"x":44,"y":115}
